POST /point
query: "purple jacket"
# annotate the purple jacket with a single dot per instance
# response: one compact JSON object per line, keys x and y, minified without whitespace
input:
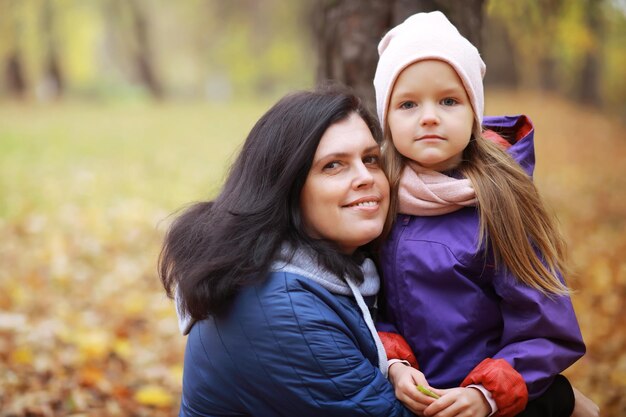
{"x":455,"y":309}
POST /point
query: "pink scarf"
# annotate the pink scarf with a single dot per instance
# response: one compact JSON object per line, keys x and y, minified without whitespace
{"x":424,"y":192}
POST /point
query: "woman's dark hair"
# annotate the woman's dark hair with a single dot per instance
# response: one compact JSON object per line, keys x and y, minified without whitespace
{"x":214,"y":248}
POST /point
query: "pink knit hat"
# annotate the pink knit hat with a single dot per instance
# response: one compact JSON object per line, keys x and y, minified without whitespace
{"x":428,"y":36}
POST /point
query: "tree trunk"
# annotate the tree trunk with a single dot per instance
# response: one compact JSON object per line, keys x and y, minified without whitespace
{"x":348,"y":32}
{"x":498,"y":52}
{"x":52,"y":85}
{"x":548,"y":63}
{"x":14,"y":75}
{"x":588,"y":90}
{"x":547,"y":73}
{"x":143,"y":56}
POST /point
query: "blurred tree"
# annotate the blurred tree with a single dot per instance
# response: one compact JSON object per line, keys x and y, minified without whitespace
{"x":348,"y":32}
{"x":575,"y":47}
{"x":14,"y":74}
{"x":128,"y":43}
{"x":219,"y":49}
{"x":613,"y":89}
{"x":548,"y":15}
{"x":253,"y":47}
{"x":499,"y":52}
{"x":143,"y":53}
{"x":589,"y":79}
{"x":52,"y":84}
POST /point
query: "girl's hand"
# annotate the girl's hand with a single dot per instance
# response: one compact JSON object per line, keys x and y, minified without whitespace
{"x":459,"y":402}
{"x":405,"y":380}
{"x":584,"y":406}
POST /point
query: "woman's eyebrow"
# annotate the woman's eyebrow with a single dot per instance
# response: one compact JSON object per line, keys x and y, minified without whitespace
{"x":333,"y":155}
{"x":340,"y":155}
{"x":372,"y":148}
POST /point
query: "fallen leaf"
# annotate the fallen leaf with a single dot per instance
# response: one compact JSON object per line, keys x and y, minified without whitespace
{"x":154,"y":395}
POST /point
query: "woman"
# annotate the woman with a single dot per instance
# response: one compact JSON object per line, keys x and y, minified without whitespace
{"x":274,"y":273}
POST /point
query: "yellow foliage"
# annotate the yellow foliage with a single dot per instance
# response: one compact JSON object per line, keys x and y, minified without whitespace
{"x":90,"y":375}
{"x":92,"y":345}
{"x":601,"y":276}
{"x":22,"y":356}
{"x":122,"y":348}
{"x":176,"y":372}
{"x":573,"y":33}
{"x":153,"y":395}
{"x":17,"y":295}
{"x":134,"y":303}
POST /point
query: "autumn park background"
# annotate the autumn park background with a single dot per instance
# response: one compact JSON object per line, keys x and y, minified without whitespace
{"x":116,"y":113}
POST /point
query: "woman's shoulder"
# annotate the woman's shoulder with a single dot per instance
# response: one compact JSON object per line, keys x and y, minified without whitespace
{"x":285,"y":308}
{"x":279,"y":303}
{"x":265,"y":297}
{"x":281,"y":337}
{"x":285,"y":294}
{"x":289,"y":284}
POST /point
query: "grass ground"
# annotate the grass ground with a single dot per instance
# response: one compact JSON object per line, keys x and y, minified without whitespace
{"x":85,"y":194}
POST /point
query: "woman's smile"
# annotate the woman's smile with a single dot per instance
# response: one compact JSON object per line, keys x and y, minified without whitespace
{"x":346,"y":194}
{"x":371,"y":203}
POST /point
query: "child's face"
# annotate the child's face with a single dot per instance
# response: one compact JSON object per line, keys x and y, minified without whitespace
{"x":430,"y":117}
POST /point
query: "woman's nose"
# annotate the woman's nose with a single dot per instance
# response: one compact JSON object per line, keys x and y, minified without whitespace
{"x":364,"y":177}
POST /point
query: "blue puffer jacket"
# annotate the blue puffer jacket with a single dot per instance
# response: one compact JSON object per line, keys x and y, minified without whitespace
{"x":287,"y":347}
{"x":455,"y":309}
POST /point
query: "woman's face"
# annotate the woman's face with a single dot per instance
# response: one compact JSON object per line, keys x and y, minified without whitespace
{"x":346,"y":195}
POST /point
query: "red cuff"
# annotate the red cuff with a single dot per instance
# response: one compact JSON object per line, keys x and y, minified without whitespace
{"x":505,"y":384}
{"x":397,"y":348}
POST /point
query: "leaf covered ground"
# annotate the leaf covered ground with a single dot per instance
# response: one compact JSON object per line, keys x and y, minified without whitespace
{"x":85,"y":196}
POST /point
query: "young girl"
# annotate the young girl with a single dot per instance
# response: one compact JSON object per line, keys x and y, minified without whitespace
{"x":472,"y":266}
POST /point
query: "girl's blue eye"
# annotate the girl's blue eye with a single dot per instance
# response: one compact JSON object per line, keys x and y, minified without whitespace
{"x":448,"y":101}
{"x":407,"y":105}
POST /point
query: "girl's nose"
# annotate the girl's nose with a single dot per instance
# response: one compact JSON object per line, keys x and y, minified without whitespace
{"x":429,"y":115}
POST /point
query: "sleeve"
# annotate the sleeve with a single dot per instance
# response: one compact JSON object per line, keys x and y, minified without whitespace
{"x":312,"y":360}
{"x":505,"y":384}
{"x":540,"y":336}
{"x":396,"y":347}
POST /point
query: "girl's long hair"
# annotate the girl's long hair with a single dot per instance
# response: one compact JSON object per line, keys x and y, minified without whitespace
{"x":217,"y":247}
{"x":515,"y":227}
